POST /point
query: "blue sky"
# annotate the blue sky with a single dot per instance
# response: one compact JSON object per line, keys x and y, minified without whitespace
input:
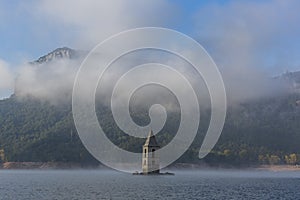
{"x":26,"y":36}
{"x":238,"y":34}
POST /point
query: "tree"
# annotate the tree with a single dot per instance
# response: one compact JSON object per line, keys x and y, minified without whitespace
{"x":291,"y":159}
{"x":263,"y":159}
{"x":2,"y":155}
{"x":274,"y":160}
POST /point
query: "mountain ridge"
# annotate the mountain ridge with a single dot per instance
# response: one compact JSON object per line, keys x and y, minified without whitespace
{"x":265,"y":131}
{"x":59,"y":53}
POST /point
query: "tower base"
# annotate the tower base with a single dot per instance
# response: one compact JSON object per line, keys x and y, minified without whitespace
{"x":152,"y":173}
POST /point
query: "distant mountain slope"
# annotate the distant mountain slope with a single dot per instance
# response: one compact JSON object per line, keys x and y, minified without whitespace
{"x":34,"y":131}
{"x":264,"y":131}
{"x":59,"y":53}
{"x":292,"y":79}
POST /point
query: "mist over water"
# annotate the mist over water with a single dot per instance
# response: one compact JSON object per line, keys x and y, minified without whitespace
{"x":101,"y":184}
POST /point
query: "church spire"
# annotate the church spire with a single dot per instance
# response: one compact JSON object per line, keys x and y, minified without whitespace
{"x":151,"y":140}
{"x":150,"y":156}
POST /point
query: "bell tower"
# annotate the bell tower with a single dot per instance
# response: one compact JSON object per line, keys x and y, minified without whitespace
{"x":150,"y":159}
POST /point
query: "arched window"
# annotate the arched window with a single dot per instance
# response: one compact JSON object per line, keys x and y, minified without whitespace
{"x":153,"y":153}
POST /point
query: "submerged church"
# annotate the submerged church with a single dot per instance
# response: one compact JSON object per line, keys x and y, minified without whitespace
{"x":150,"y":161}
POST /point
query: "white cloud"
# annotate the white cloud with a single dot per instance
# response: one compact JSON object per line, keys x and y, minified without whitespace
{"x":51,"y":81}
{"x":250,"y":42}
{"x":94,"y":21}
{"x":86,"y":22}
{"x":239,"y":35}
{"x":6,"y":79}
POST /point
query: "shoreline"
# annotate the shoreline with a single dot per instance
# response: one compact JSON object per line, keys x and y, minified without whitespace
{"x":177,"y":166}
{"x":279,"y":168}
{"x":271,"y":168}
{"x":47,"y":165}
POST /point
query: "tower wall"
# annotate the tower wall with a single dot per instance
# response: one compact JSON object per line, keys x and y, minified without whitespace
{"x":150,"y":161}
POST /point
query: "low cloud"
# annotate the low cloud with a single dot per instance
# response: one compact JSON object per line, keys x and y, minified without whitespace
{"x":86,"y":23}
{"x":250,"y":42}
{"x":51,"y":81}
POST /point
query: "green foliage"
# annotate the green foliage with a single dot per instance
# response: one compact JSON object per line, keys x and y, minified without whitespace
{"x":261,"y":132}
{"x":292,"y":159}
{"x":2,"y":155}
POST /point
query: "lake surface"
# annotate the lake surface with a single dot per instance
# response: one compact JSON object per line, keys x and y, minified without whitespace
{"x":100,"y":184}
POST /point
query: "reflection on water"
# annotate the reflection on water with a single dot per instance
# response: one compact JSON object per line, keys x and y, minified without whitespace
{"x":100,"y":184}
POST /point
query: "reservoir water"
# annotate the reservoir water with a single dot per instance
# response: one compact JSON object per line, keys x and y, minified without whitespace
{"x":102,"y":184}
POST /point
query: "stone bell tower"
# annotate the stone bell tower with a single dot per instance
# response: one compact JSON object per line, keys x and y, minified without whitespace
{"x":150,"y":159}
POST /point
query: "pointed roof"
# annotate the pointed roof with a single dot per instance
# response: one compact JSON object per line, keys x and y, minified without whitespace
{"x":151,"y":141}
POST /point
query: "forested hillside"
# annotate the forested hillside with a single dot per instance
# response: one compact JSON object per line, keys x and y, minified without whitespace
{"x":33,"y":128}
{"x":257,"y":132}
